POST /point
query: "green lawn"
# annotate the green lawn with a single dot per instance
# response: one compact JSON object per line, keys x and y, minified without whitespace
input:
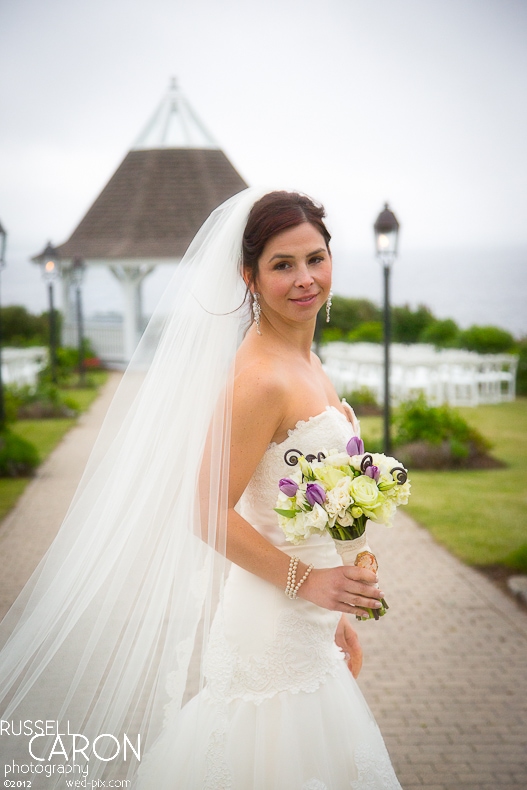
{"x":480,"y":516}
{"x":45,"y":435}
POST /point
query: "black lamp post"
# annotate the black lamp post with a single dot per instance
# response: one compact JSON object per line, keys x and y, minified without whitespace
{"x":49,"y":260}
{"x":78,"y":268}
{"x":3,"y":240}
{"x":386,"y":235}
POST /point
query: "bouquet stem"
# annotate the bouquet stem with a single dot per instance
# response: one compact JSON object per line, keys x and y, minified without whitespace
{"x":357,"y":552}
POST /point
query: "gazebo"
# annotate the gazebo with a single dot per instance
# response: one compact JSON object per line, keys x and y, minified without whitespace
{"x":147,"y":214}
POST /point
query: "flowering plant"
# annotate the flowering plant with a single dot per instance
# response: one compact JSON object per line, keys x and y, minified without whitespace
{"x":339,"y":493}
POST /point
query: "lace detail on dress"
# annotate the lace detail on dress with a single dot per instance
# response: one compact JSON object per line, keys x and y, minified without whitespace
{"x":218,"y":775}
{"x":298,"y":659}
{"x":373,"y":764}
{"x":314,"y":784}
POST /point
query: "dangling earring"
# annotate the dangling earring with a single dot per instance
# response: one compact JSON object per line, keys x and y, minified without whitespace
{"x":256,"y":311}
{"x":328,"y":306}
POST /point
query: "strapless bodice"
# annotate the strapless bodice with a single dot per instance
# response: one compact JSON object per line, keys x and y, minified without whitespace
{"x":329,"y":430}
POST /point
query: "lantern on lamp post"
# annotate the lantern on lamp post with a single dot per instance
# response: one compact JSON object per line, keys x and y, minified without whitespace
{"x":50,"y":263}
{"x":386,"y":230}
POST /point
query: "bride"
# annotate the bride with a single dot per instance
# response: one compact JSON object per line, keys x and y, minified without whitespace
{"x":136,"y":628}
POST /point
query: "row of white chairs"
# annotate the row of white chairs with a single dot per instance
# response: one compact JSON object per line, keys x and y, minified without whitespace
{"x":449,"y":376}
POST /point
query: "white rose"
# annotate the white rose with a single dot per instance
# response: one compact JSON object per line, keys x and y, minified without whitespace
{"x":400,"y":494}
{"x":384,"y":513}
{"x":316,"y":520}
{"x":337,"y":459}
{"x":339,"y":497}
{"x":345,"y":518}
{"x":294,"y":529}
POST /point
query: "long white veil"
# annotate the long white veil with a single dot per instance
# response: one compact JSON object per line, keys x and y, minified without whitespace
{"x":100,"y":640}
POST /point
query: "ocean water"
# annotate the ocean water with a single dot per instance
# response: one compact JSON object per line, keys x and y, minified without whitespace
{"x":487,"y":286}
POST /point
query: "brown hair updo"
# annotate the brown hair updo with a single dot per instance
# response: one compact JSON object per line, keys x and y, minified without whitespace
{"x":272,"y":214}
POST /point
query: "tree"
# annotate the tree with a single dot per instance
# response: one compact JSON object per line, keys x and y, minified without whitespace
{"x":348,"y":314}
{"x":487,"y":340}
{"x":441,"y":333}
{"x":21,"y":328}
{"x":408,"y":325}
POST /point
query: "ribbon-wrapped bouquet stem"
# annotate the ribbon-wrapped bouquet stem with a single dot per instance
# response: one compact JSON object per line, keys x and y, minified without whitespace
{"x":339,"y":492}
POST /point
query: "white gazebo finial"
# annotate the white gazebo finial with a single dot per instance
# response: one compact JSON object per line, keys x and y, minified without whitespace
{"x":174,"y":124}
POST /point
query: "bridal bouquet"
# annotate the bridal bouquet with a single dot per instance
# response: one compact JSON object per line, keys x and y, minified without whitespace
{"x":339,"y":493}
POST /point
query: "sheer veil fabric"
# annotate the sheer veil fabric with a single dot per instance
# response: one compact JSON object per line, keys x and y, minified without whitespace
{"x":124,"y":597}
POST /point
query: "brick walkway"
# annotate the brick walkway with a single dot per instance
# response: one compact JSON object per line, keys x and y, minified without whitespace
{"x":445,"y":672}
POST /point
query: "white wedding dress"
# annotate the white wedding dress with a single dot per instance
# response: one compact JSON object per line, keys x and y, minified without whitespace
{"x":280,"y":709}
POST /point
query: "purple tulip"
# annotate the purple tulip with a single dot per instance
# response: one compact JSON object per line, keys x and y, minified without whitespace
{"x":374,"y":472}
{"x":355,"y":446}
{"x":288,"y":486}
{"x":315,"y":494}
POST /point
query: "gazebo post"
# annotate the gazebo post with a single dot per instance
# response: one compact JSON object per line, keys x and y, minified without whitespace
{"x":130,"y":278}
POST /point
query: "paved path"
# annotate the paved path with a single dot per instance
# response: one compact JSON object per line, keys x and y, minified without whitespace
{"x":445,"y":671}
{"x":28,"y":530}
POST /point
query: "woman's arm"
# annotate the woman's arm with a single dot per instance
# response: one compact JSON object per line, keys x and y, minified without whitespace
{"x":259,"y":403}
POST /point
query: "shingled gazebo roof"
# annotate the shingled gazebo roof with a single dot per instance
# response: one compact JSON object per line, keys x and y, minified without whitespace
{"x":161,"y":193}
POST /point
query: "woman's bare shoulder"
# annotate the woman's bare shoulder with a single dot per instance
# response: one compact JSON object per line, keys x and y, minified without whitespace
{"x":261,"y":380}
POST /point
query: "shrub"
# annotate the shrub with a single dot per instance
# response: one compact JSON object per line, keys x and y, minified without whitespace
{"x":42,"y":402}
{"x":21,"y":328}
{"x":369,"y":332}
{"x":438,"y":437}
{"x":332,"y":334}
{"x":18,"y":457}
{"x":363,"y":402}
{"x":521,"y":376}
{"x":408,"y":325}
{"x":348,"y":314}
{"x":487,"y":340}
{"x":517,"y":560}
{"x":442,"y":334}
{"x":67,"y":358}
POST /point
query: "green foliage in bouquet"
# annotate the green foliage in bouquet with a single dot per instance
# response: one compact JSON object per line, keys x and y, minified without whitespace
{"x":18,"y":457}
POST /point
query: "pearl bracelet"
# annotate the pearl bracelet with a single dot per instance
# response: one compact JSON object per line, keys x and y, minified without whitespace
{"x":291,"y":577}
{"x":293,"y":586}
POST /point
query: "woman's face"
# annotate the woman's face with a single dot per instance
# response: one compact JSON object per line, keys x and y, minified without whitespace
{"x":294,"y":274}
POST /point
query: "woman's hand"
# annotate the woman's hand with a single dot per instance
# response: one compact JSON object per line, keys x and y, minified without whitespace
{"x":348,"y":641}
{"x":343,"y":589}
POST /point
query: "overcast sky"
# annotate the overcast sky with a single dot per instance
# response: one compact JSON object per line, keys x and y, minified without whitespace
{"x":419,"y":102}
